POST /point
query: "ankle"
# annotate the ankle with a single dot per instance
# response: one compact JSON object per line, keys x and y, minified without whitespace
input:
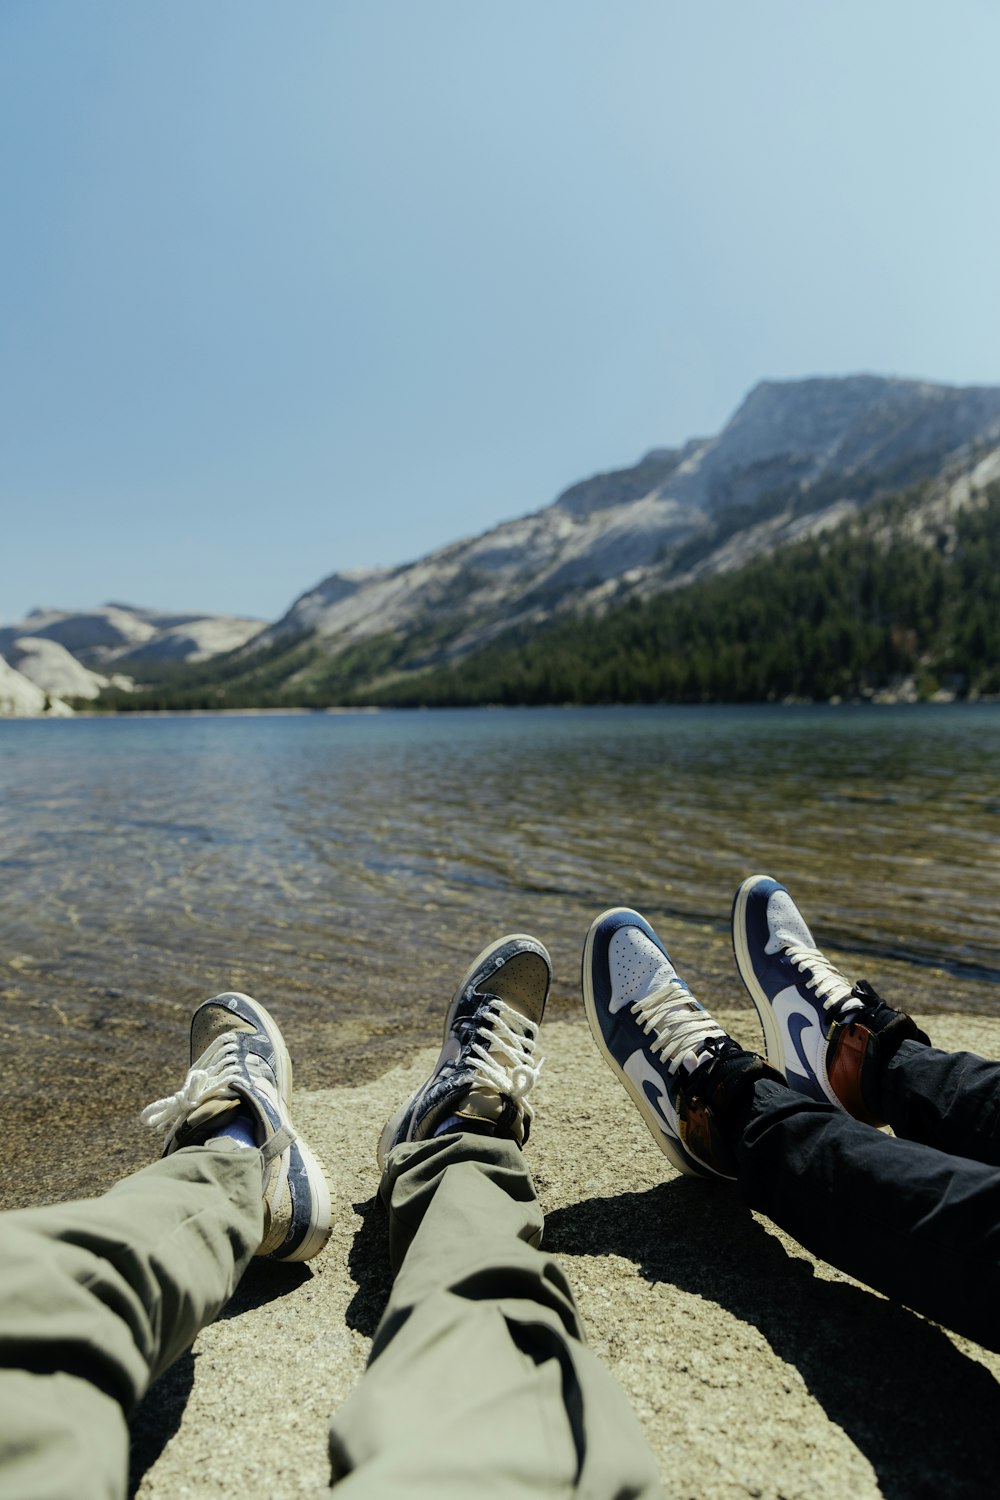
{"x":241,"y":1128}
{"x":460,"y":1125}
{"x":860,"y":1050}
{"x":718,"y":1102}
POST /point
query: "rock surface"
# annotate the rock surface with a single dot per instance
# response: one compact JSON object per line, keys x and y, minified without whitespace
{"x":21,"y":698}
{"x":122,"y":633}
{"x":55,"y":670}
{"x":807,"y":451}
{"x":754,"y":1370}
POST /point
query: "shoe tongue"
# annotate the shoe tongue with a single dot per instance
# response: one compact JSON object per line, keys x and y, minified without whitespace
{"x":481,"y":1108}
{"x":785,"y":923}
{"x":667,"y":985}
{"x":482,"y":1102}
{"x":210,"y":1118}
{"x":710,"y":1050}
{"x":859,"y":998}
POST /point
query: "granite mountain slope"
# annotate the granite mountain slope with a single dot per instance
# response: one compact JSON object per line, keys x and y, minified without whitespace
{"x":123,"y":634}
{"x":796,"y":458}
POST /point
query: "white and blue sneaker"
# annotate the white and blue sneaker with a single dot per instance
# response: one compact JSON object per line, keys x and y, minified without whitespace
{"x":239,"y":1085}
{"x":682,"y":1071}
{"x":487,"y":1065}
{"x":827,"y":1036}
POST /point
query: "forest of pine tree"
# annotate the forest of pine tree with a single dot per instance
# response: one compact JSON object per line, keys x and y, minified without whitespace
{"x":843,"y":614}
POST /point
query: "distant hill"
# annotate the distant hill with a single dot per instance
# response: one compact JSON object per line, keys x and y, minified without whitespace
{"x":22,"y":698}
{"x":798,"y":463}
{"x":59,"y":673}
{"x":124,"y":633}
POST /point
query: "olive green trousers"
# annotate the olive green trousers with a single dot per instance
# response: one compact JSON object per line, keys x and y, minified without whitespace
{"x":479,"y":1383}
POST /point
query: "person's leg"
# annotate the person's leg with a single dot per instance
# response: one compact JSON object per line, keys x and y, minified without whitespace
{"x":97,"y":1298}
{"x":909,"y":1220}
{"x":950,"y":1100}
{"x":480,"y":1382}
{"x":916,"y":1217}
{"x":915,"y":1223}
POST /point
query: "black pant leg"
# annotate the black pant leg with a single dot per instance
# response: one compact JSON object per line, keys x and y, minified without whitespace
{"x":921,"y":1226}
{"x":950,"y":1100}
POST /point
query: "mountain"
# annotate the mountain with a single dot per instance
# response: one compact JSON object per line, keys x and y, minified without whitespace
{"x":798,"y":462}
{"x":898,"y":602}
{"x":21,"y":698}
{"x":796,"y":456}
{"x":123,"y":634}
{"x":56,"y":671}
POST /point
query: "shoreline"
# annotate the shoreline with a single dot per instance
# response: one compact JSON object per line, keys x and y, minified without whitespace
{"x":987,"y":700}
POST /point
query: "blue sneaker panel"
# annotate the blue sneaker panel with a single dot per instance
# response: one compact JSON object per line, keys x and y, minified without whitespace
{"x":653,"y":1088}
{"x":793,"y":1017}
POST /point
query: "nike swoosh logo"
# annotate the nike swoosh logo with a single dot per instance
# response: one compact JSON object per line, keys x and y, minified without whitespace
{"x":801,"y":1024}
{"x":641,"y":1073}
{"x":797,"y":1023}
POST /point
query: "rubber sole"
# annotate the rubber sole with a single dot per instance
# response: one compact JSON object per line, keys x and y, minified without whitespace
{"x":321,"y":1218}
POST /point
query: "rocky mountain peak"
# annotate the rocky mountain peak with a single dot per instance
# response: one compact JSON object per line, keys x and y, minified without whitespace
{"x":797,"y":432}
{"x":796,"y":458}
{"x":620,"y":486}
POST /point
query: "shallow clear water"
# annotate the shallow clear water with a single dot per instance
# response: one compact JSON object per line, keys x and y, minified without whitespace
{"x":346,"y":867}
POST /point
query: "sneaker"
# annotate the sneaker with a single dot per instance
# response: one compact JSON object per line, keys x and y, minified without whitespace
{"x":240,"y":1068}
{"x":487,"y":1066}
{"x":829,"y":1037}
{"x":684,"y":1074}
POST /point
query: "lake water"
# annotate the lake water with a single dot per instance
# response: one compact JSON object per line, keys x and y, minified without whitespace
{"x":345,"y":867}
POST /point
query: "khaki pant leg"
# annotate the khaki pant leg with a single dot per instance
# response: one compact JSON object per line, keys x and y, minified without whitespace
{"x":98,"y":1297}
{"x":480,"y":1383}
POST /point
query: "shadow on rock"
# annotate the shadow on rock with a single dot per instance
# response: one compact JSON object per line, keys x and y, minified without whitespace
{"x":158,"y":1417}
{"x":263,"y":1282}
{"x":368,"y":1264}
{"x":922,"y":1412}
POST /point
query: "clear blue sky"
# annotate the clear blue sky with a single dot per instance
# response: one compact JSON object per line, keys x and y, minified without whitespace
{"x":286,"y":289}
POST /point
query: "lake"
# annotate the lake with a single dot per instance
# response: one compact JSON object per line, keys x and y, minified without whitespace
{"x":344,"y":868}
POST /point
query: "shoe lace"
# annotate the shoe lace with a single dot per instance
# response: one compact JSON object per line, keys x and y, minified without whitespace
{"x":503,"y":1054}
{"x":830,"y":985}
{"x":678,"y":1023}
{"x":211,"y":1077}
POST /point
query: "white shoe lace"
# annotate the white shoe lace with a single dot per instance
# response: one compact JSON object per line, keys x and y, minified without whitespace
{"x":677,"y":1021}
{"x":211,"y":1077}
{"x":503,"y":1054}
{"x":830,"y":985}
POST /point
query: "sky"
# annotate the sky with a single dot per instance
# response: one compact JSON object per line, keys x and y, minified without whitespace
{"x":292,"y":289}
